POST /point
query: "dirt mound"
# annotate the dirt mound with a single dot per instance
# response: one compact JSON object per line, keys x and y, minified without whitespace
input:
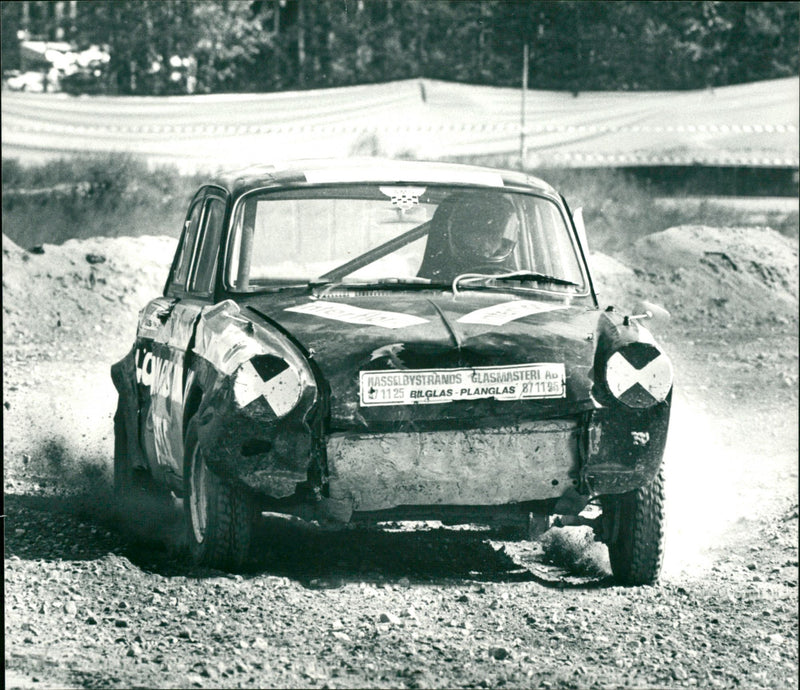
{"x":737,"y":275}
{"x":65,"y":294}
{"x":613,"y":280}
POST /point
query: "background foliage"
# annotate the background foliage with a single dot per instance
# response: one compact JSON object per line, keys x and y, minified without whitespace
{"x":115,"y":195}
{"x":104,"y":195}
{"x":270,"y":45}
{"x":274,"y":45}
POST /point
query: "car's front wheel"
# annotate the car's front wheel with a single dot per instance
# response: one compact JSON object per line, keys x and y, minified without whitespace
{"x":634,"y":532}
{"x":219,"y":517}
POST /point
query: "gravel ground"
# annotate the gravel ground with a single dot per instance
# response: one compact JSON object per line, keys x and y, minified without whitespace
{"x":97,"y":595}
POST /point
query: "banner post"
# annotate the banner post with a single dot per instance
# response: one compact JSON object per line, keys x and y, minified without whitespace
{"x":522,"y":108}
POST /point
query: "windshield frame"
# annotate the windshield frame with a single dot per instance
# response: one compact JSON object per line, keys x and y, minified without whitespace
{"x":585,"y":290}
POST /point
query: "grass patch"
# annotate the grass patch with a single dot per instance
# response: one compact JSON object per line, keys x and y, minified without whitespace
{"x":112,"y":195}
{"x":619,"y":209}
{"x":106,"y":195}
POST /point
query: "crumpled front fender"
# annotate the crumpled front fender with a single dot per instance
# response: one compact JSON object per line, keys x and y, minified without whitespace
{"x":625,"y":435}
{"x":257,"y":421}
{"x":624,"y":448}
{"x":251,"y":445}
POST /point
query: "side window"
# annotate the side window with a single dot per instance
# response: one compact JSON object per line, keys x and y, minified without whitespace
{"x":187,"y":248}
{"x":202,"y":281}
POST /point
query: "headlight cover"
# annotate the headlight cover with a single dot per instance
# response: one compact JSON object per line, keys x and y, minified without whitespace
{"x":639,"y":375}
{"x":271,"y":377}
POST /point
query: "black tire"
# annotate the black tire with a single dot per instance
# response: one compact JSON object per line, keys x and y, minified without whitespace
{"x":218,"y":516}
{"x":634,"y":525}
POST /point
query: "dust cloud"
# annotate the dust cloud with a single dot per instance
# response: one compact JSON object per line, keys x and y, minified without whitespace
{"x":718,"y":483}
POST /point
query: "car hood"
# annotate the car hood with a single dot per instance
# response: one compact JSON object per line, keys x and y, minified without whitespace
{"x":347,"y":332}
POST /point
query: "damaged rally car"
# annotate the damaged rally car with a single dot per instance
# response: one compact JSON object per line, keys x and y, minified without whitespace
{"x":386,"y":340}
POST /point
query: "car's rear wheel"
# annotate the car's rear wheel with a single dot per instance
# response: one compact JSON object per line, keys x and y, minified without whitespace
{"x":634,"y":526}
{"x":219,"y":517}
{"x":129,"y":480}
{"x":123,"y":471}
{"x":136,"y":493}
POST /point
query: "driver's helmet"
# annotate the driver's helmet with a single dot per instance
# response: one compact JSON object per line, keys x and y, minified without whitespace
{"x":482,"y":229}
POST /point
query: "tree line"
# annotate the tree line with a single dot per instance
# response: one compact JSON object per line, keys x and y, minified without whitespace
{"x":273,"y":45}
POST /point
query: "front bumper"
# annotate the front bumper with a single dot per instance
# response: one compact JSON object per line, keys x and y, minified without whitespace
{"x":491,"y":466}
{"x":608,"y":450}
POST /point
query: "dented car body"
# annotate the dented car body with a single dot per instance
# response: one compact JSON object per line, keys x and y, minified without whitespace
{"x":349,"y":340}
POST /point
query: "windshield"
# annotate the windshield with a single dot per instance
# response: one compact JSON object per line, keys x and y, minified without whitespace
{"x":363,"y":234}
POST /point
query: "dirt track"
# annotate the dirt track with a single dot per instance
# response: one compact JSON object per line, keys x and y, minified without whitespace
{"x":94,"y":600}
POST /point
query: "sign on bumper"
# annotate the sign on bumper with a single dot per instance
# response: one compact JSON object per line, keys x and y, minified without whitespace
{"x":428,"y":386}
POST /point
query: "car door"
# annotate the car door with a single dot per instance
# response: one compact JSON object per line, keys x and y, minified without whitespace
{"x":189,"y":289}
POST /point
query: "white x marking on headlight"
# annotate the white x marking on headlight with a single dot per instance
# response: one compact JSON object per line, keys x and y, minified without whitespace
{"x":655,"y":376}
{"x":281,"y":391}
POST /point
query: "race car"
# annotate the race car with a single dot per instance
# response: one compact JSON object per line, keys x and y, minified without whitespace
{"x":365,"y":340}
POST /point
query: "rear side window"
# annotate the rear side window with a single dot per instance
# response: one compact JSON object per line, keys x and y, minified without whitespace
{"x":186,"y":252}
{"x":208,"y":248}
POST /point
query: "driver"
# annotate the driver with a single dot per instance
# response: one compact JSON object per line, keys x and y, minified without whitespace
{"x":478,"y":232}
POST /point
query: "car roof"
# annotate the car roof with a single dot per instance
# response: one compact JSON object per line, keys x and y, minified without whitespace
{"x":374,"y":170}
